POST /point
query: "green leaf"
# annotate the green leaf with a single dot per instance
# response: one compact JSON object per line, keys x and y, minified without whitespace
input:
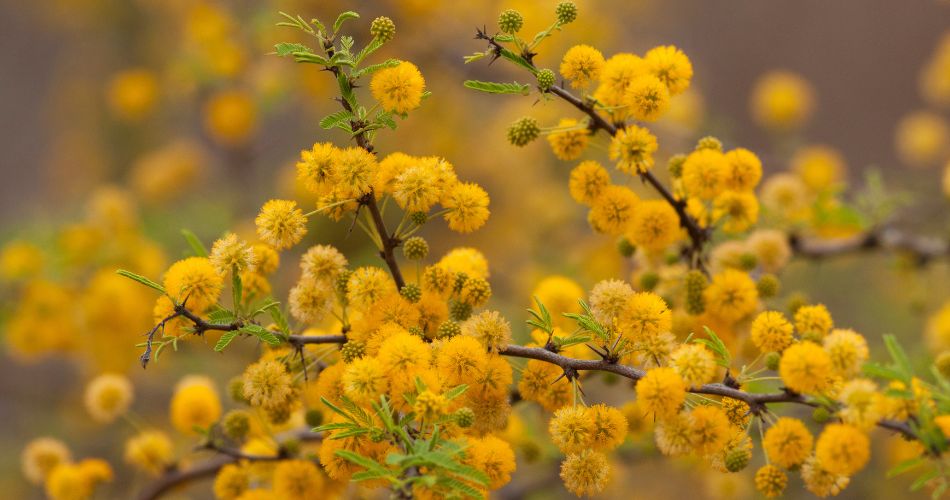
{"x":898,"y":355}
{"x":261,"y":333}
{"x":371,"y":47}
{"x":365,"y":462}
{"x":221,"y":316}
{"x":277,"y":315}
{"x":520,"y":61}
{"x":498,"y":88}
{"x":303,"y":57}
{"x":342,"y":18}
{"x":715,"y":344}
{"x":878,"y":370}
{"x":197,"y":247}
{"x":285,"y":49}
{"x":372,"y":68}
{"x":337,"y":409}
{"x":335,"y":119}
{"x":225,"y":340}
{"x":141,"y":279}
{"x":456,"y":392}
{"x":922,"y":481}
{"x":905,"y":466}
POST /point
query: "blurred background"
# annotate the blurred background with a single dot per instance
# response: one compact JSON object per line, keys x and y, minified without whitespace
{"x":124,"y":121}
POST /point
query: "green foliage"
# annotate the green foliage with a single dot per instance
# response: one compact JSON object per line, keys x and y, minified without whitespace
{"x":141,"y":279}
{"x":261,"y":333}
{"x":197,"y":248}
{"x":498,"y":88}
{"x":716,"y":345}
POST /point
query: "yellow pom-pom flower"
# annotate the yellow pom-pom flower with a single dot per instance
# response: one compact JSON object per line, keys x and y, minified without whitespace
{"x":297,"y":480}
{"x":654,"y":225}
{"x":41,"y":456}
{"x":648,"y":98}
{"x":632,"y":148}
{"x":108,"y":397}
{"x":281,"y":224}
{"x":731,"y":295}
{"x":585,"y":473}
{"x":194,"y":282}
{"x":398,"y":89}
{"x":581,"y":65}
{"x":694,"y":363}
{"x":805,"y":367}
{"x":770,"y":481}
{"x":570,"y":140}
{"x":150,"y":451}
{"x":572,"y":429}
{"x":194,"y":404}
{"x":704,"y":173}
{"x":671,"y":66}
{"x":661,"y":392}
{"x":587,"y":181}
{"x":782,"y":100}
{"x":770,"y":332}
{"x":843,"y":449}
{"x":612,"y":211}
{"x":787,"y":442}
{"x":467,"y":207}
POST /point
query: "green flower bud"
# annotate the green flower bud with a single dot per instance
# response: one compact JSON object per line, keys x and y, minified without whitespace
{"x":464,"y":417}
{"x":352,"y":350}
{"x":768,"y":286}
{"x":415,"y":248}
{"x":236,"y":389}
{"x":342,"y":282}
{"x":821,"y":415}
{"x":737,"y":458}
{"x":625,"y":247}
{"x":709,"y":142}
{"x":419,"y":218}
{"x":510,"y":21}
{"x":460,"y":311}
{"x":675,"y":165}
{"x":771,"y":360}
{"x":448,"y":329}
{"x":545,"y":79}
{"x":649,"y":280}
{"x":236,"y":424}
{"x":695,"y":285}
{"x":566,"y":12}
{"x":748,"y":261}
{"x":795,"y":302}
{"x":383,"y":28}
{"x":411,"y":292}
{"x":523,"y":131}
{"x":313,"y":418}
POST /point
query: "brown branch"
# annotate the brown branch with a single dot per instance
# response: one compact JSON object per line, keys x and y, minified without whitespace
{"x":299,"y":340}
{"x":922,"y":249}
{"x":390,"y":241}
{"x":757,"y":401}
{"x":174,"y":477}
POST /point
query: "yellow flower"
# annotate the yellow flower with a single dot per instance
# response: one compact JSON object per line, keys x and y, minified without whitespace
{"x":608,"y":298}
{"x":704,"y":173}
{"x":588,"y":179}
{"x":465,"y":260}
{"x":695,"y":363}
{"x":493,"y":457}
{"x":391,"y":167}
{"x":609,"y":427}
{"x":820,"y":481}
{"x":648,"y":98}
{"x":364,"y":380}
{"x":538,"y":384}
{"x":572,"y":429}
{"x":311,"y":300}
{"x":231,"y":482}
{"x":585,"y":473}
{"x":20,"y":260}
{"x":782,"y":100}
{"x":731,"y":295}
{"x":459,"y":359}
{"x":41,"y":456}
{"x":403,"y":353}
{"x":819,"y":167}
{"x":645,"y":315}
{"x":612,"y":210}
{"x":922,"y":139}
{"x":937,"y":331}
{"x":230,"y":117}
{"x":297,"y":480}
{"x":315,"y":168}
{"x":133,"y":93}
{"x":743,"y":170}
{"x":430,"y":406}
{"x":654,"y":226}
{"x":787,"y":442}
{"x":281,"y":224}
{"x":771,"y":332}
{"x":150,"y":451}
{"x":490,"y":328}
{"x":322,"y":263}
{"x":194,"y":404}
{"x":771,"y":249}
{"x":813,"y":322}
{"x":770,"y":481}
{"x":671,"y":66}
{"x":709,"y":429}
{"x":805,"y":367}
{"x":268,"y":385}
{"x":354,"y":170}
{"x":108,"y":397}
{"x":661,"y":392}
{"x":581,"y":65}
{"x":843,"y":449}
{"x":848,"y":351}
{"x":416,"y":189}
{"x":633,"y":148}
{"x":194,"y":282}
{"x":864,"y":404}
{"x":570,"y":141}
{"x":367,"y":285}
{"x":398,"y":89}
{"x":559,"y":294}
{"x":229,"y":253}
{"x":467,"y":205}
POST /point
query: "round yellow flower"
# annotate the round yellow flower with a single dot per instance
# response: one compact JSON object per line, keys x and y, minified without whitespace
{"x":133,"y":93}
{"x":633,"y":148}
{"x":731,"y":295}
{"x":743,"y":171}
{"x":150,"y":451}
{"x":709,"y":429}
{"x":231,"y":482}
{"x":922,"y":139}
{"x":819,"y":167}
{"x":571,"y":429}
{"x":281,"y":224}
{"x":671,"y":66}
{"x":661,"y":392}
{"x":695,"y":364}
{"x":230,"y":117}
{"x":813,"y":322}
{"x":494,"y":457}
{"x":612,"y":211}
{"x":297,"y":480}
{"x":315,"y":168}
{"x":587,"y":181}
{"x":398,"y":89}
{"x":194,"y":282}
{"x":648,"y":98}
{"x":771,"y":332}
{"x":609,"y":427}
{"x":654,"y":225}
{"x":108,"y":397}
{"x":770,"y":481}
{"x":645,"y":315}
{"x":787,"y":442}
{"x":581,"y":65}
{"x":569,"y":142}
{"x":41,"y":456}
{"x":585,"y":473}
{"x":354,"y":170}
{"x":467,"y":205}
{"x":194,"y":404}
{"x":782,"y":100}
{"x":805,"y":367}
{"x":704,"y":173}
{"x":843,"y":449}
{"x":848,"y":351}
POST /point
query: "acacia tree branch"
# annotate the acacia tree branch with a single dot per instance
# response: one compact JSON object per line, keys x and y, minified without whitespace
{"x":923,"y":249}
{"x":176,"y":476}
{"x":758,"y":402}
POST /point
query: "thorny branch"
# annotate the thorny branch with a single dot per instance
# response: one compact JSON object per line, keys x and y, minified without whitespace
{"x":922,"y":249}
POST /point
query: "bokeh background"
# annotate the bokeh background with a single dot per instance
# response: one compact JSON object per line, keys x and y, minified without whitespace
{"x":220,"y":122}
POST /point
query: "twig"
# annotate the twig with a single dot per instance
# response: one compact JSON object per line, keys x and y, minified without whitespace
{"x":922,"y":249}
